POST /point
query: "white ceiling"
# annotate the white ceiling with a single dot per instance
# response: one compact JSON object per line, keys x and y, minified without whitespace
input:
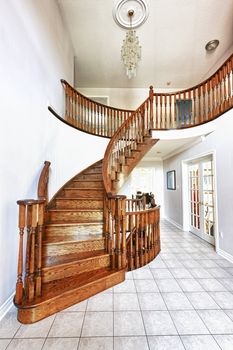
{"x":173,"y":41}
{"x":167,"y":148}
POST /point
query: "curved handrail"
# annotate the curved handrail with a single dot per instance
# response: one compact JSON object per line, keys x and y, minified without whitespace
{"x":125,"y":140}
{"x":90,"y":116}
{"x":42,"y":190}
{"x":196,"y":105}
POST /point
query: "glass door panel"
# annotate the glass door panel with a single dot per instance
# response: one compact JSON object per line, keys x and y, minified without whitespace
{"x":201,"y":199}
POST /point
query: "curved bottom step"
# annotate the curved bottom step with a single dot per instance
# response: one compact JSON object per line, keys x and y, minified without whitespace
{"x":60,"y":294}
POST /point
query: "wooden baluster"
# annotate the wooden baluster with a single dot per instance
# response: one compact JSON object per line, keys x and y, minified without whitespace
{"x":31,"y":293}
{"x":106,"y":121}
{"x":113,"y":245}
{"x":166,"y":124}
{"x":67,"y":102}
{"x":81,"y":112}
{"x":151,"y":95}
{"x":28,"y":245}
{"x":118,"y":232}
{"x":225,"y":105}
{"x":110,"y":121}
{"x":228,"y":84}
{"x":146,"y":238}
{"x":205,"y":116}
{"x":185,"y":109}
{"x":141,"y":230}
{"x":217,"y":94}
{"x":161,"y":113}
{"x":78,"y":111}
{"x":179,"y":110}
{"x":89,"y":116}
{"x":156,"y":112}
{"x":220,"y":74}
{"x":75,"y":108}
{"x":123,"y":237}
{"x":39,"y":248}
{"x":199,"y":105}
{"x":98,"y":115}
{"x":208,"y":101}
{"x":175,"y":113}
{"x":212,"y":102}
{"x":86,"y":119}
{"x":132,"y":253}
{"x":189,"y":109}
{"x":106,"y":223}
{"x":21,"y":225}
{"x":170,"y":112}
{"x":102,"y":131}
{"x":137,"y":241}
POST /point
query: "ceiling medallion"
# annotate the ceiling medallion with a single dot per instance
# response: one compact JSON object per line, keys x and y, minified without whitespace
{"x":122,"y":8}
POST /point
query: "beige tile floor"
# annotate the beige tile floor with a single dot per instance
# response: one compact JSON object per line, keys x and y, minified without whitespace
{"x":181,"y":300}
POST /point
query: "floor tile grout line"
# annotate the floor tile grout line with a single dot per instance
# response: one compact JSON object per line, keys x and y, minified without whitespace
{"x":148,"y":344}
{"x":49,"y":331}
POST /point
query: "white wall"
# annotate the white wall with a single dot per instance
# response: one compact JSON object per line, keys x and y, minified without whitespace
{"x":221,"y":142}
{"x":151,"y":183}
{"x":35,"y":53}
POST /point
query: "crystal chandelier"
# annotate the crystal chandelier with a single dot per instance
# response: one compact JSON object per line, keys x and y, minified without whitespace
{"x":131,"y":50}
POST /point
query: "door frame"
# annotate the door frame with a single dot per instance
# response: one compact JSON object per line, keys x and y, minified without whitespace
{"x":185,"y":192}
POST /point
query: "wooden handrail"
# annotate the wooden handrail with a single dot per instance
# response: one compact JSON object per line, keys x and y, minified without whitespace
{"x":123,"y":141}
{"x":196,"y":105}
{"x":31,"y":220}
{"x":42,"y":191}
{"x":90,"y":116}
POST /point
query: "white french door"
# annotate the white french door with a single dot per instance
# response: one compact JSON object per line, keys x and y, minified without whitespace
{"x":202,"y":198}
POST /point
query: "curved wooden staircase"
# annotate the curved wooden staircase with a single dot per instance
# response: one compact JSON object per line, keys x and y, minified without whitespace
{"x":87,"y":236}
{"x":76,"y":261}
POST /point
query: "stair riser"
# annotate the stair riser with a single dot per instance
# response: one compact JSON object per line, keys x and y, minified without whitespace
{"x":90,"y":177}
{"x":94,"y":170}
{"x":53,"y":231}
{"x":53,"y":249}
{"x":59,"y":272}
{"x":87,"y":184}
{"x":69,"y":217}
{"x":78,"y":204}
{"x":77,"y":193}
{"x":61,"y":302}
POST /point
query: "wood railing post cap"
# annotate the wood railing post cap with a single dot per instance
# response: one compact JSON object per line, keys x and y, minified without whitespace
{"x":30,"y":201}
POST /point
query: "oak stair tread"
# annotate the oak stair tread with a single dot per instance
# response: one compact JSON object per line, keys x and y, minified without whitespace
{"x":60,"y":239}
{"x":84,"y":188}
{"x":74,"y":224}
{"x":71,"y":258}
{"x":87,"y":180}
{"x":73,"y":209}
{"x":78,"y":198}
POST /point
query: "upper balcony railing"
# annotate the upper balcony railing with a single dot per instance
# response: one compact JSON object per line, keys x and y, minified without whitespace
{"x":163,"y":111}
{"x":91,"y":116}
{"x":195,"y":106}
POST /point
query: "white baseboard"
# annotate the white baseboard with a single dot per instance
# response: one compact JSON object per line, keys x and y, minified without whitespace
{"x":5,"y":307}
{"x":173,"y":222}
{"x":225,"y":255}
